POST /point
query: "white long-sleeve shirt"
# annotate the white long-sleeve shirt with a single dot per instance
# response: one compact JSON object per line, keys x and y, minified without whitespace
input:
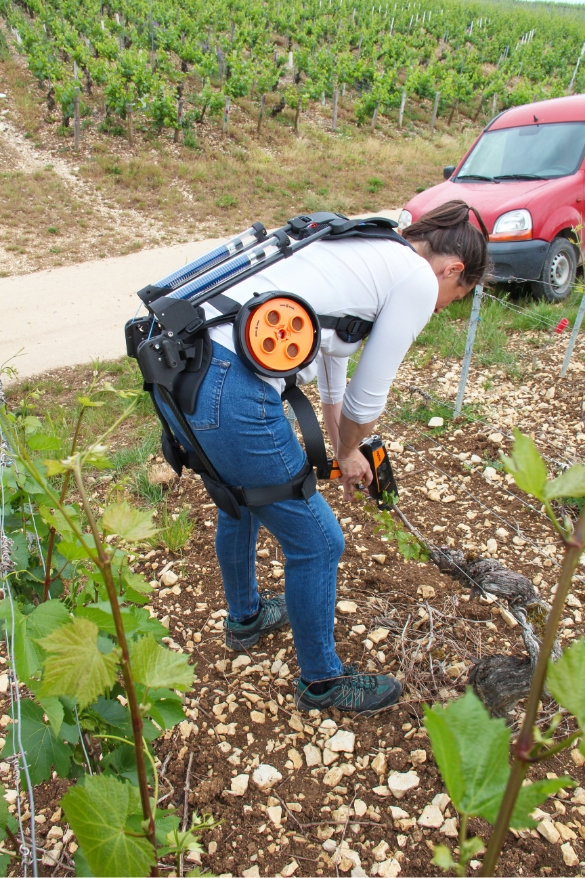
{"x":378,"y":280}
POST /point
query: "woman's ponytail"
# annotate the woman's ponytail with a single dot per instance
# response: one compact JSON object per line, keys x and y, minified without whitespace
{"x":448,"y":232}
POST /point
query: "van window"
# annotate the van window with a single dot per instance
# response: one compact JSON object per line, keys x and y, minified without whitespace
{"x":553,"y":150}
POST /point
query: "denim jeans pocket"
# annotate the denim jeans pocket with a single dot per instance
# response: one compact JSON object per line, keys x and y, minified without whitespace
{"x":206,"y":414}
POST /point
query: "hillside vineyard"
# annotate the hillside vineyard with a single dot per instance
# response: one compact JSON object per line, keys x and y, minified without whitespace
{"x":170,"y":64}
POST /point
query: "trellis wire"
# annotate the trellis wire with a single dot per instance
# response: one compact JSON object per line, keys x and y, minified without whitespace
{"x":29,"y":855}
{"x":472,"y":326}
{"x":517,"y":310}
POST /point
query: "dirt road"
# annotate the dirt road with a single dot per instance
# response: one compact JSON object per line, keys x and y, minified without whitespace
{"x":70,"y":315}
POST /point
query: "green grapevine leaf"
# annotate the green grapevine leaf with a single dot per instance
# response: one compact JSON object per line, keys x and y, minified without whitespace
{"x":165,"y":708}
{"x":113,"y":713}
{"x":531,"y":796}
{"x":138,"y":583}
{"x":55,"y":467}
{"x":57,"y":520}
{"x":98,"y":813}
{"x":32,"y":425}
{"x":72,"y":551}
{"x":442,"y":858}
{"x":471,"y":847}
{"x":96,"y":455}
{"x":571,"y":483}
{"x":472,"y":751}
{"x":45,"y":618}
{"x":527,"y":466}
{"x":89,"y":403}
{"x":566,"y":680}
{"x":42,"y":747}
{"x":147,"y":624}
{"x":445,"y":751}
{"x":82,"y":869}
{"x":40,"y":442}
{"x":101,"y":615}
{"x":27,"y":655}
{"x":54,"y":711}
{"x":75,"y":665}
{"x":19,"y":551}
{"x":127,"y":522}
{"x":159,"y":668}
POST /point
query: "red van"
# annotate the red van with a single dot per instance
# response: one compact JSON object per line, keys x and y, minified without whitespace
{"x":525,"y":174}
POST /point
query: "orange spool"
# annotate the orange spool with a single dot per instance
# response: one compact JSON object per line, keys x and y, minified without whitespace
{"x":280,"y":334}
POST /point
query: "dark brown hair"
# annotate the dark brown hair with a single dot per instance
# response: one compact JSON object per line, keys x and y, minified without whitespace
{"x":448,"y":232}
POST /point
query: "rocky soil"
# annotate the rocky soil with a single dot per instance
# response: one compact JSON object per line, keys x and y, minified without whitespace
{"x":330,"y":794}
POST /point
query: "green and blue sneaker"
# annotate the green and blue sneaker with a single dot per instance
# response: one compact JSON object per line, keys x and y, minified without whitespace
{"x":363,"y":694}
{"x":272,"y":614}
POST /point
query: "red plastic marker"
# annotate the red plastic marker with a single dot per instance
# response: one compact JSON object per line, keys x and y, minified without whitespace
{"x":562,"y":325}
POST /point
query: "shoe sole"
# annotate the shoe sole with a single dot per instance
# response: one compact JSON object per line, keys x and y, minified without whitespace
{"x":240,"y":644}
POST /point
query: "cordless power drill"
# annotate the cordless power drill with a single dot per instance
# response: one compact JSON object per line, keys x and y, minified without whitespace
{"x":375,"y":453}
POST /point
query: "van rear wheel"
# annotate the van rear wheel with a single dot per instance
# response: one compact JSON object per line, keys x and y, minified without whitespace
{"x":558,"y":272}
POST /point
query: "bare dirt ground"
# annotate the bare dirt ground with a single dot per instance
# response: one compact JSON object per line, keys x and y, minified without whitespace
{"x":332,"y":811}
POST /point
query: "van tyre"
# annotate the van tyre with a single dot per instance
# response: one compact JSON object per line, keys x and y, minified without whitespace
{"x":558,"y":272}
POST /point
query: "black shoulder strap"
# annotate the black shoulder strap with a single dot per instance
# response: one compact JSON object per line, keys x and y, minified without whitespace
{"x":349,"y":329}
{"x":310,"y":427}
{"x":371,"y":227}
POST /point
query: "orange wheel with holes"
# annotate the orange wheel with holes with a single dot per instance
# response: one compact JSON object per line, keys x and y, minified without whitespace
{"x":280,"y":334}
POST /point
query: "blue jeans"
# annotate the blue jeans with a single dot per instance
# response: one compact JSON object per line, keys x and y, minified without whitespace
{"x":240,"y":423}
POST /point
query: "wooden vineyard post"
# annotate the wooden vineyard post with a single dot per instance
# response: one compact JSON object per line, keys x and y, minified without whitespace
{"x":76,"y":121}
{"x":179,"y":120}
{"x":226,"y":115}
{"x":261,"y":113}
{"x":375,"y":116}
{"x":401,"y":111}
{"x":335,"y":100}
{"x":494,"y":104}
{"x":435,"y":110}
{"x":130,"y":125}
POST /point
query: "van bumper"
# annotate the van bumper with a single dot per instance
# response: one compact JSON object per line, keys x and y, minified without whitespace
{"x":517,"y":260}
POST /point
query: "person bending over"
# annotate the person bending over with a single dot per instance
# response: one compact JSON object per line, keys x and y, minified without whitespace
{"x":240,"y":422}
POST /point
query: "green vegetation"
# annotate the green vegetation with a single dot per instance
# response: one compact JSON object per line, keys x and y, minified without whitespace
{"x":446,"y":333}
{"x":92,"y":658}
{"x":171,"y":64}
{"x":175,"y":530}
{"x":472,"y":749}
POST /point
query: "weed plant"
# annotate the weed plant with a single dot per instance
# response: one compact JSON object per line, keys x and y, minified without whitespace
{"x":175,"y":530}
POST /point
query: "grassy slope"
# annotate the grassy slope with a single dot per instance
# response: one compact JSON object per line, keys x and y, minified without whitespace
{"x":111,"y":197}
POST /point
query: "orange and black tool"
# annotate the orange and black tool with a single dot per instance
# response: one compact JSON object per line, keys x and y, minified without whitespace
{"x":277,"y":334}
{"x":375,"y":453}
